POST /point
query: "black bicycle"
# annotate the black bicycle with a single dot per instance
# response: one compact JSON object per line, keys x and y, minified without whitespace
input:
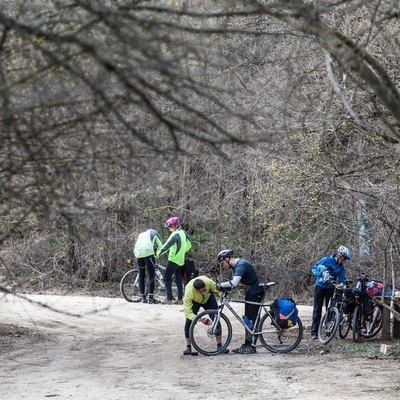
{"x":265,"y":327}
{"x":335,"y":316}
{"x":368,"y":316}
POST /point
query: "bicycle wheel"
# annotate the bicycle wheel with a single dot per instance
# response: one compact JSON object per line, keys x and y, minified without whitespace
{"x":356,"y":323}
{"x":373,"y":323}
{"x":344,"y":325}
{"x":328,"y":325}
{"x":276,"y":339}
{"x":129,"y":286}
{"x":203,"y":337}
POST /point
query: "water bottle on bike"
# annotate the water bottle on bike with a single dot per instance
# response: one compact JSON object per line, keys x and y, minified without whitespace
{"x":248,"y":321}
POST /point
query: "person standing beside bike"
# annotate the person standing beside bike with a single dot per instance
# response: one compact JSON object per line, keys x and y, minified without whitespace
{"x":146,"y":245}
{"x":324,"y":269}
{"x":178,"y":244}
{"x":199,"y":292}
{"x":244,"y":274}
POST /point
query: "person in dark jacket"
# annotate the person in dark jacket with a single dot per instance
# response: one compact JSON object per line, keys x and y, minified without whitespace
{"x":244,"y":274}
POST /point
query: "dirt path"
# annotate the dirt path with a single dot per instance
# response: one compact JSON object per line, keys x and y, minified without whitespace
{"x":113,"y":350}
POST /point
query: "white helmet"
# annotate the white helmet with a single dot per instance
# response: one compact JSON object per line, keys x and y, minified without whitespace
{"x":345,"y":251}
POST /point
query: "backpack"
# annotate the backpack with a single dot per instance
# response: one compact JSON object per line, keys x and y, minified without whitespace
{"x":189,"y":271}
{"x":285,"y":312}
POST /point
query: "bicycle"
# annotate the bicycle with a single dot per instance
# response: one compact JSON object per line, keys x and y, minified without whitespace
{"x":368,"y":316}
{"x":265,"y":327}
{"x":129,"y":284}
{"x":347,"y":310}
{"x":334,"y":316}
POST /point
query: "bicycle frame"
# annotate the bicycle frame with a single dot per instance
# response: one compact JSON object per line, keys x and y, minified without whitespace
{"x":224,"y":302}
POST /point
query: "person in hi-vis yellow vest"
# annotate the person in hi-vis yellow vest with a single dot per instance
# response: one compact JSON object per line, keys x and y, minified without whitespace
{"x":146,"y":245}
{"x":177,"y":245}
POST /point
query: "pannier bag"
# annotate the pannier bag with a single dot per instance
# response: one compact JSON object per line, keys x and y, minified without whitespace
{"x":368,"y":305}
{"x":374,"y":289}
{"x":189,"y":271}
{"x":285,"y":312}
{"x":348,"y":301}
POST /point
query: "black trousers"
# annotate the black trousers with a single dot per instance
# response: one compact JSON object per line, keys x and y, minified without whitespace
{"x":173,"y":270}
{"x":146,"y":263}
{"x":251,"y":311}
{"x":321,"y":295}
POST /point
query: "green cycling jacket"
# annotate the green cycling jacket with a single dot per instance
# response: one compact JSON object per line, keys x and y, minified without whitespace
{"x":194,"y":296}
{"x":178,"y":244}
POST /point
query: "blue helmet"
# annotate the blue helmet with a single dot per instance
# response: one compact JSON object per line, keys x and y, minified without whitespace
{"x":345,"y":251}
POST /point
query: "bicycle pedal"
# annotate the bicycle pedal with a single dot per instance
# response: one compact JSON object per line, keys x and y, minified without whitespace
{"x":194,"y":353}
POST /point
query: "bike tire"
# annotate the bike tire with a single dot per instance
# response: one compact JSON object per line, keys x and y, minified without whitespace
{"x":276,"y":339}
{"x":344,"y":325}
{"x":356,"y":324}
{"x":203,"y":337}
{"x":328,"y":325}
{"x":129,"y":286}
{"x":377,"y":322}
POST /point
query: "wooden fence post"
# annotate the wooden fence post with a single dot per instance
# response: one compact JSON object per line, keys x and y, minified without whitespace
{"x":396,"y":323}
{"x":386,"y":324}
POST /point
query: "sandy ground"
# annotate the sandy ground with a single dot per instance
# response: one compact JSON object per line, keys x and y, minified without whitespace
{"x":102,"y":348}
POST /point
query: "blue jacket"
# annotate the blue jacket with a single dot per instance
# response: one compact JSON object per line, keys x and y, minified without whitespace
{"x":337,"y":270}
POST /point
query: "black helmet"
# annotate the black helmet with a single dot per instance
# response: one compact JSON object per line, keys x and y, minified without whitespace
{"x":224,"y":254}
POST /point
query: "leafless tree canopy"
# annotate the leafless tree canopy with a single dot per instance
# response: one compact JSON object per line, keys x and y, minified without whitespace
{"x":271,"y":127}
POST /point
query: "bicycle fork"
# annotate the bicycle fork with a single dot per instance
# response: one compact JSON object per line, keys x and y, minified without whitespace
{"x":370,"y":325}
{"x":215,"y":327}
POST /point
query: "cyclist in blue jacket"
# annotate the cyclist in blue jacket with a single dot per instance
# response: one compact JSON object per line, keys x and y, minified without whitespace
{"x":325,"y":269}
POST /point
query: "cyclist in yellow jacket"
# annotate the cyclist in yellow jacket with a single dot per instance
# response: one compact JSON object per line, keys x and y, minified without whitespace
{"x":199,"y":292}
{"x":177,"y":245}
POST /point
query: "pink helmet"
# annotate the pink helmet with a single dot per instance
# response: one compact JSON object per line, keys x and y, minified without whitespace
{"x":173,"y":222}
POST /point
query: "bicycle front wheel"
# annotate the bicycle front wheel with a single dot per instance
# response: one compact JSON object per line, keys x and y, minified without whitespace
{"x":328,"y":325}
{"x":129,"y":286}
{"x":356,"y":323}
{"x":276,"y":339}
{"x":204,"y":337}
{"x":344,"y":325}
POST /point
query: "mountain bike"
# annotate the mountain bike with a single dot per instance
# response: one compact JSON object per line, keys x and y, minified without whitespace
{"x":334,"y":316}
{"x":265,"y":327}
{"x":368,"y":316}
{"x":129,"y":284}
